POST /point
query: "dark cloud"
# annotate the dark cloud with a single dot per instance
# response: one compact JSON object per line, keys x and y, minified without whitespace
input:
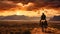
{"x":49,"y":0}
{"x":5,"y":5}
{"x":38,"y":4}
{"x":54,"y":4}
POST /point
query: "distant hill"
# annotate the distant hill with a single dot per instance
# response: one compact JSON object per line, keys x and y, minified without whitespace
{"x":35,"y":18}
{"x":18,"y":17}
{"x":55,"y":18}
{"x":14,"y":17}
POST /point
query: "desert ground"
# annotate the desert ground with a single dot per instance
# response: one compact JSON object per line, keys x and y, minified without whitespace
{"x":20,"y":26}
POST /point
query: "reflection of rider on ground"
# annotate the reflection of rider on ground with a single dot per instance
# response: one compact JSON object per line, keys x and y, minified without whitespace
{"x":43,"y":22}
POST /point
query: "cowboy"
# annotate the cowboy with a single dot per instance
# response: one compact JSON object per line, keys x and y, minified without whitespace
{"x":43,"y":17}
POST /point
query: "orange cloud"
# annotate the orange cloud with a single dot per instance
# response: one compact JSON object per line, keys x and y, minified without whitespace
{"x":31,"y":8}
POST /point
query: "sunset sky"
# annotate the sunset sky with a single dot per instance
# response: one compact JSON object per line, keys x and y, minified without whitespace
{"x":29,"y":7}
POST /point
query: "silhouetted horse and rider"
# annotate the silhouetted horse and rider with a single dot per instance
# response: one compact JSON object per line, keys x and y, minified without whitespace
{"x":43,"y":22}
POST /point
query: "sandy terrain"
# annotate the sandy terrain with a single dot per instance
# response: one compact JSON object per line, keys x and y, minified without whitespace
{"x":32,"y":26}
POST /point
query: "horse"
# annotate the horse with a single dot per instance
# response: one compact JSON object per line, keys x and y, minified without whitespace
{"x":43,"y":24}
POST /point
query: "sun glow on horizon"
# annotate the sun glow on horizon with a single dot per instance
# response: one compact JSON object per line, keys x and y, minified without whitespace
{"x":48,"y":12}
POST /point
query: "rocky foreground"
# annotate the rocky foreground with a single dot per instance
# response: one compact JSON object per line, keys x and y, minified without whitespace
{"x":48,"y":31}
